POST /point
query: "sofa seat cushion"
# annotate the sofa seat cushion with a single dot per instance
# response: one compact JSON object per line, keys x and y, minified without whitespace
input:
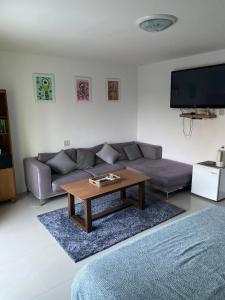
{"x":104,"y":168}
{"x":165,"y":173}
{"x":58,"y":180}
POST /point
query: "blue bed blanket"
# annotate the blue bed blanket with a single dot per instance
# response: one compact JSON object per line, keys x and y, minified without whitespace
{"x":183,"y":260}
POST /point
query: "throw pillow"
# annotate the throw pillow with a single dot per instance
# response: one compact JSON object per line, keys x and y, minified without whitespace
{"x":119,"y":147}
{"x":108,"y":154}
{"x":85,"y":159}
{"x":133,"y":152}
{"x":61,"y":163}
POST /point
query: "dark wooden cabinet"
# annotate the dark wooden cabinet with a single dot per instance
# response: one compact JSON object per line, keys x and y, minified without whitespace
{"x":7,"y":173}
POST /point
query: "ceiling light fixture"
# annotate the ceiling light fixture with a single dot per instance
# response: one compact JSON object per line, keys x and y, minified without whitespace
{"x":156,"y":23}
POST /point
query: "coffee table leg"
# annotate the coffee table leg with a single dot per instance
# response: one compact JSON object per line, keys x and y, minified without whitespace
{"x":71,"y":206}
{"x":141,"y":196}
{"x":123,"y":196}
{"x":87,"y":216}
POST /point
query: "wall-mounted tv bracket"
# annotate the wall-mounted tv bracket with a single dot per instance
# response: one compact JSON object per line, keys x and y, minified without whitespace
{"x":207,"y":114}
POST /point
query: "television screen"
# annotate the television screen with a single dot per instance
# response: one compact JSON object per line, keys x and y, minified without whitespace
{"x":199,"y":87}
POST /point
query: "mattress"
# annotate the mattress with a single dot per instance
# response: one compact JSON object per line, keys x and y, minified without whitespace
{"x":182,"y":260}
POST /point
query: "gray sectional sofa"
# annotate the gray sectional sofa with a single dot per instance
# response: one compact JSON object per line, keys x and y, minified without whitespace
{"x":167,"y":175}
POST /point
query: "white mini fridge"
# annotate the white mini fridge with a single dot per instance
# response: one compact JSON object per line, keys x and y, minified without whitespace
{"x":208,"y":181}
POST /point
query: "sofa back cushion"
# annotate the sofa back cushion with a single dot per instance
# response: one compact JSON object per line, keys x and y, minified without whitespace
{"x":119,"y":147}
{"x":44,"y":157}
{"x":96,"y":149}
{"x":85,"y":159}
{"x":133,"y":152}
{"x":150,"y":151}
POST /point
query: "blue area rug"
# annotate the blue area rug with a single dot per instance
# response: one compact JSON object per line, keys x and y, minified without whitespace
{"x":108,"y":230}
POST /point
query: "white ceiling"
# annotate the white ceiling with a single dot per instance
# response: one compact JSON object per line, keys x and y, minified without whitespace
{"x":106,"y":30}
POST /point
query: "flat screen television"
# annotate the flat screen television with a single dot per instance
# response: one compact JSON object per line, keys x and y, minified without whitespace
{"x":202,"y":87}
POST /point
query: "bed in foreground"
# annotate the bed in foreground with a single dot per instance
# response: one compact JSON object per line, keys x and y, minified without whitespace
{"x":184,"y":260}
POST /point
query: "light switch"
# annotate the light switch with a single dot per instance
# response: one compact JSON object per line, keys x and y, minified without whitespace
{"x":66,"y":143}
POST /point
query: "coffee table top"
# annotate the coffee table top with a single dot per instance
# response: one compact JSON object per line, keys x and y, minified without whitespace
{"x":87,"y":191}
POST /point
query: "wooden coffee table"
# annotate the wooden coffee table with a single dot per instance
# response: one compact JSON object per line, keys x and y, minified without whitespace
{"x":87,"y":192}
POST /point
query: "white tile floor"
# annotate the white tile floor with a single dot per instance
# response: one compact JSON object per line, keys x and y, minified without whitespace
{"x":32,"y":264}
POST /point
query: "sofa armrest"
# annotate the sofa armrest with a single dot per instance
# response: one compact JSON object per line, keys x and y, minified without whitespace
{"x":38,"y":178}
{"x":150,"y":151}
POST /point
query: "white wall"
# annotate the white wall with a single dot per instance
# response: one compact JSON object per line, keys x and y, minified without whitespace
{"x":43,"y":127}
{"x":159,"y":124}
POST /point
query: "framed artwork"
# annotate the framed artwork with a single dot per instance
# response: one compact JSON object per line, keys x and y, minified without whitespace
{"x":83,"y":89}
{"x":113,"y":89}
{"x":44,"y":87}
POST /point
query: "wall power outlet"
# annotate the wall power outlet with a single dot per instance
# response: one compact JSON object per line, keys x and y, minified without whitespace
{"x":66,"y":143}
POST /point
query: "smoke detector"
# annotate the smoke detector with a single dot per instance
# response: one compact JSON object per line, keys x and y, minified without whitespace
{"x":156,"y":23}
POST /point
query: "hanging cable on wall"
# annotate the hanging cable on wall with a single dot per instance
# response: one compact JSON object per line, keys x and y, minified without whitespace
{"x":188,"y":131}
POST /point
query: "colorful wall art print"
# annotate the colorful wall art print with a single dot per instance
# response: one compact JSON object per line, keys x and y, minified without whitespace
{"x":44,"y":87}
{"x":113,"y":89}
{"x":83,"y":89}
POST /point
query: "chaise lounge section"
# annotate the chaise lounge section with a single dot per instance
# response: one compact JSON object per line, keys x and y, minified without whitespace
{"x":167,"y":175}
